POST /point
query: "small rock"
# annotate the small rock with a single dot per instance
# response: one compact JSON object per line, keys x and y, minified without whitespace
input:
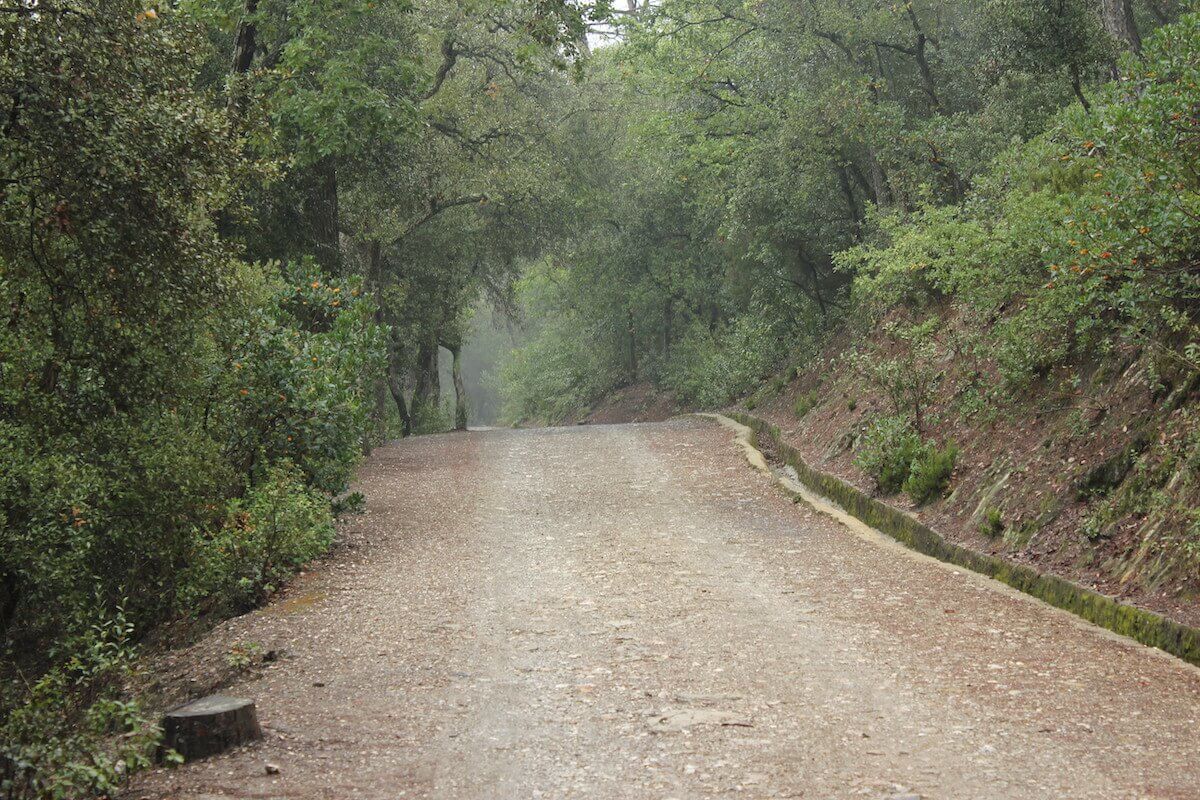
{"x":680,"y":720}
{"x":272,"y":769}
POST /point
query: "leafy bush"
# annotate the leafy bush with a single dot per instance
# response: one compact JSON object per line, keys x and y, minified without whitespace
{"x":554,"y":375}
{"x":887,"y":450}
{"x":708,"y":369}
{"x":72,"y":735}
{"x":991,"y":524}
{"x":1078,"y":240}
{"x":930,"y":472}
{"x":431,"y":418}
{"x":894,"y":455}
{"x":909,"y":379}
{"x":276,"y":528}
{"x":295,"y":375}
{"x":805,"y":402}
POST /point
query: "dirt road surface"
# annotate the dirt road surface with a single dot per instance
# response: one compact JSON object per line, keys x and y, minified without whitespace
{"x":632,"y":612}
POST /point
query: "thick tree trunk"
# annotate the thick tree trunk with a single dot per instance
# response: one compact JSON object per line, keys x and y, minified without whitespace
{"x":460,"y":391}
{"x":1117,"y":18}
{"x":428,"y":391}
{"x":209,"y":726}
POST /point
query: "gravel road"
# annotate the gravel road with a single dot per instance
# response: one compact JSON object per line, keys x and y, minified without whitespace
{"x":630,"y":611}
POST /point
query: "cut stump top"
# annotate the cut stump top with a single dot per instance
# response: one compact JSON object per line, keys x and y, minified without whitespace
{"x":210,"y":725}
{"x":212,"y":705}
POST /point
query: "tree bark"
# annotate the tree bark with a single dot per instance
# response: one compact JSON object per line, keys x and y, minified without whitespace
{"x":815,"y":277}
{"x":460,"y":391}
{"x":244,"y":44}
{"x":428,"y":391}
{"x":1077,"y":87}
{"x":389,"y":382}
{"x":396,"y":387}
{"x":852,"y":203}
{"x":209,"y":726}
{"x":877,"y":176}
{"x":1117,"y":18}
{"x":319,"y":212}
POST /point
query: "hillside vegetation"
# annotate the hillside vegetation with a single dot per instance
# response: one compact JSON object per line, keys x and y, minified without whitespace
{"x":950,"y":248}
{"x":235,"y":236}
{"x":232,"y":239}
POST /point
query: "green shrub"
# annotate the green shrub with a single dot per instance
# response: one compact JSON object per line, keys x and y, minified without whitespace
{"x":892,"y":452}
{"x":1077,"y":241}
{"x":909,"y":379}
{"x":805,"y":402}
{"x":930,"y":473}
{"x":430,"y":418}
{"x":708,"y":369}
{"x":192,"y":415}
{"x":887,"y":450}
{"x":267,"y":536}
{"x":71,"y":735}
{"x":991,"y":524}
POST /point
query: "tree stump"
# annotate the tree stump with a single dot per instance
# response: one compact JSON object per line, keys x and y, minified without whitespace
{"x":210,"y":725}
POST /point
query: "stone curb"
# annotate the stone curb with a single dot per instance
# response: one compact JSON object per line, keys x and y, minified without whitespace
{"x":1139,"y":624}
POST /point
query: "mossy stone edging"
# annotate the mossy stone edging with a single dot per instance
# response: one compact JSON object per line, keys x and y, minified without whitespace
{"x":1145,"y":626}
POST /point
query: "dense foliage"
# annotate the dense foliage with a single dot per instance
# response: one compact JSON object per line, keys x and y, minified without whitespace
{"x":762,"y":175}
{"x":232,"y":240}
{"x":236,"y":236}
{"x":962,"y":210}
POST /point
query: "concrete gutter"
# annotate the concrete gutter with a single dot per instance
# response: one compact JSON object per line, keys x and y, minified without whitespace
{"x":864,"y":514}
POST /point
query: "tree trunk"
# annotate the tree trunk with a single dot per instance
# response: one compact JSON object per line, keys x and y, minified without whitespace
{"x":632,"y":350}
{"x":815,"y":277}
{"x":878,"y":179}
{"x":852,"y":203}
{"x":396,"y":387}
{"x":319,"y":211}
{"x":1077,"y":87}
{"x":1117,"y":18}
{"x":244,"y":44}
{"x":10,"y":595}
{"x":389,"y":382}
{"x":460,"y":391}
{"x":1163,"y":10}
{"x":428,"y":391}
{"x":209,"y":726}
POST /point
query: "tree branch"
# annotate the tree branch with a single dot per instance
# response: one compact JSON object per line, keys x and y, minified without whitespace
{"x":437,"y":207}
{"x":449,"y":59}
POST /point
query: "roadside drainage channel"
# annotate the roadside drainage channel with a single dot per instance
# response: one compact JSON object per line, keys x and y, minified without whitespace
{"x":874,"y":519}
